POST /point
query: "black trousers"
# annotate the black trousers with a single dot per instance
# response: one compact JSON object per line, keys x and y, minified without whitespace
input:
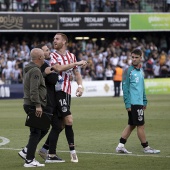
{"x":57,"y":127}
{"x":117,"y":88}
{"x":35,"y":136}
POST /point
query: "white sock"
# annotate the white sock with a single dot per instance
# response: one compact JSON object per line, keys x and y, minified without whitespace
{"x":25,"y":149}
{"x":120,"y":145}
{"x":73,"y":151}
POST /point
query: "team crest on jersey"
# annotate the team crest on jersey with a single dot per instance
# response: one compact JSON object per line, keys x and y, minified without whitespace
{"x":140,"y":118}
{"x":64,"y":109}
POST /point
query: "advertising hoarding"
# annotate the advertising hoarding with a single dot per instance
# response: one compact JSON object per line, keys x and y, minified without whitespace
{"x":150,"y":21}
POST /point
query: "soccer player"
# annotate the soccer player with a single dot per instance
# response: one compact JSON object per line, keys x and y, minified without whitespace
{"x":62,"y":57}
{"x":135,"y":102}
{"x":57,"y":121}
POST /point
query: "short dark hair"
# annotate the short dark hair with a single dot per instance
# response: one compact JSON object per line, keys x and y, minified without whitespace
{"x":40,"y":45}
{"x":137,"y":52}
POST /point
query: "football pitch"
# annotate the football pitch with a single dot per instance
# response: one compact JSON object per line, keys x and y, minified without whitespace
{"x":98,"y":124}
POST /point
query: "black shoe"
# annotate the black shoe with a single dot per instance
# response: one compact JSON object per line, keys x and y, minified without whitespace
{"x":53,"y":159}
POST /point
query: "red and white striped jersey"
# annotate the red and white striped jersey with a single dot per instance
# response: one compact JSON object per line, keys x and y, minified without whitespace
{"x":64,"y":60}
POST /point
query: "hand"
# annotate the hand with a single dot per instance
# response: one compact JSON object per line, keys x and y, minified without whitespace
{"x":128,"y":109}
{"x":81,"y":63}
{"x":79,"y":92}
{"x":38,"y":111}
{"x":144,"y":107}
{"x":49,"y":70}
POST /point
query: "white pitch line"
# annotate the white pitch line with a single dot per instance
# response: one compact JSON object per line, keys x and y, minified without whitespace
{"x":100,"y":153}
{"x":4,"y":141}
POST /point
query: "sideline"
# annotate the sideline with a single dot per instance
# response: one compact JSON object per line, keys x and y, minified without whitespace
{"x":4,"y":141}
{"x":100,"y":153}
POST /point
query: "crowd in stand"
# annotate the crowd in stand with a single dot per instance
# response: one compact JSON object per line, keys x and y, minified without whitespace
{"x":102,"y":57}
{"x":85,"y":5}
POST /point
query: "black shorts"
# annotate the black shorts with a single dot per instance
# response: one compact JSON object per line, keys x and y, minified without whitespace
{"x":136,"y":115}
{"x":63,"y":101}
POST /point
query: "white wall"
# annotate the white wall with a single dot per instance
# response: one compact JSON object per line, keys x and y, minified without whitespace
{"x":95,"y":88}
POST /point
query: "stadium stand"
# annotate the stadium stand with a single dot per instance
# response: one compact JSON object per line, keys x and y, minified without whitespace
{"x":14,"y":53}
{"x":85,"y":5}
{"x":113,"y":50}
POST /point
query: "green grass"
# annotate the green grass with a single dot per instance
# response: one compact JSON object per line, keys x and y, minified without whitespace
{"x":98,"y":124}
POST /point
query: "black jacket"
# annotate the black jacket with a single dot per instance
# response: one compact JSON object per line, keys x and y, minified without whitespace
{"x":50,"y":81}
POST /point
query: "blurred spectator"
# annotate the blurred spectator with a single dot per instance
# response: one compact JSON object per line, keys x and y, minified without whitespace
{"x":163,"y":44}
{"x":10,"y":63}
{"x":123,"y":59}
{"x":123,"y":4}
{"x":25,"y":50}
{"x":147,"y":51}
{"x":7,"y":4}
{"x":16,"y":75}
{"x":164,"y":70}
{"x":99,"y":71}
{"x":2,"y":64}
{"x":73,"y":5}
{"x":109,"y":73}
{"x":162,"y":59}
{"x":149,"y":67}
{"x":92,"y":5}
{"x":25,"y":4}
{"x":100,"y":5}
{"x":168,"y":64}
{"x":34,"y":5}
{"x":40,"y":5}
{"x":132,"y":3}
{"x":53,"y":4}
{"x":19,"y":5}
{"x":1,"y":1}
{"x":114,"y":60}
{"x":156,"y":69}
{"x":59,"y":5}
{"x":84,"y":6}
{"x":6,"y":75}
{"x":167,"y":5}
{"x":107,"y":6}
{"x":114,"y":5}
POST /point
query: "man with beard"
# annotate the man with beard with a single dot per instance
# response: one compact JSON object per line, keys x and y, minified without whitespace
{"x":63,"y":57}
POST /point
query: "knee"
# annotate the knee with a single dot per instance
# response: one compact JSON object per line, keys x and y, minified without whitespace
{"x":69,"y":120}
{"x":132,"y":128}
{"x":141,"y":127}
